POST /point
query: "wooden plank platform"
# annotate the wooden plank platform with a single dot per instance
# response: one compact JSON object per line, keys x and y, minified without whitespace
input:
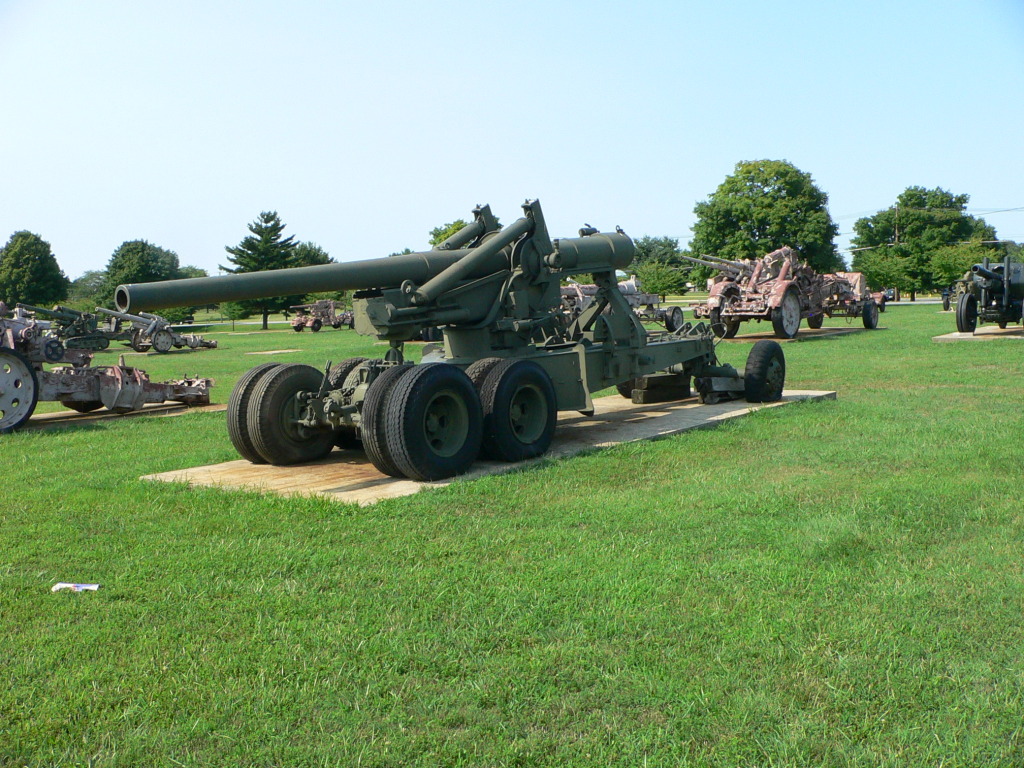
{"x":348,"y":476}
{"x":984,"y":333}
{"x":69,"y":418}
{"x":805,"y":334}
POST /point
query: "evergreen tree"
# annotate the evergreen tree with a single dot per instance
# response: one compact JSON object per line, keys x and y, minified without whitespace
{"x":29,"y":272}
{"x":264,"y":250}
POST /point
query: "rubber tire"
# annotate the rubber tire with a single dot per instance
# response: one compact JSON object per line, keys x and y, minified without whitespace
{"x":503,"y":383}
{"x":765,"y":373}
{"x":315,"y":326}
{"x":338,"y":373}
{"x":869,"y":315}
{"x":162,"y":341}
{"x":83,"y":406}
{"x":945,"y":303}
{"x":272,"y":400}
{"x":238,"y":412}
{"x":881,"y":305}
{"x":298,"y":328}
{"x":138,"y":344}
{"x":1002,"y":325}
{"x":966,"y":313}
{"x":732,"y":326}
{"x":9,"y":425}
{"x":625,"y":388}
{"x":724,"y":329}
{"x":345,"y":437}
{"x":674,"y":319}
{"x":815,"y":321}
{"x":373,"y":414}
{"x":406,"y":411}
{"x":478,"y":371}
{"x":778,"y":322}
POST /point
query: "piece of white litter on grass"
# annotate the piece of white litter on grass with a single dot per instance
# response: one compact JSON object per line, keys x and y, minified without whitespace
{"x":74,"y":587}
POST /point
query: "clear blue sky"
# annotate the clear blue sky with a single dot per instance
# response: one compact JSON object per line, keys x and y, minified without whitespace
{"x":366,"y":124}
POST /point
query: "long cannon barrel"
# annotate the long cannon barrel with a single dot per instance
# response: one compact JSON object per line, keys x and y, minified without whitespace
{"x":730,"y":262}
{"x":58,"y":312}
{"x":591,"y":253}
{"x":713,"y":265}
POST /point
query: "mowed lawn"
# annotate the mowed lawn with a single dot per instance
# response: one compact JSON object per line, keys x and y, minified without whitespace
{"x":825,"y":584}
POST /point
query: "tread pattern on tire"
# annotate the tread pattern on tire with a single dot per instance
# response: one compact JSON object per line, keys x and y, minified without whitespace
{"x":478,"y":371}
{"x":759,"y":363}
{"x":498,"y":442}
{"x":266,"y":428}
{"x":402,"y":432}
{"x":373,"y":417}
{"x":238,"y":407}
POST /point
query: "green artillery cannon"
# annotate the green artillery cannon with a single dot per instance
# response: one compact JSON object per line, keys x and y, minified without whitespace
{"x":509,"y":361}
{"x":992,"y":294}
{"x":74,"y":329}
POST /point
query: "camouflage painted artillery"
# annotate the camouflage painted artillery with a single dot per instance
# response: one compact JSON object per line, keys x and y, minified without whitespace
{"x":992,"y":293}
{"x":317,"y":314}
{"x":508,"y":364}
{"x":27,"y":344}
{"x":781,"y":289}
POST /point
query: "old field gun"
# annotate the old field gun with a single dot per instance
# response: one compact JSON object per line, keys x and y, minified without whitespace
{"x":27,"y":344}
{"x":317,"y":314}
{"x":154,"y":332}
{"x":73,"y":328}
{"x":509,"y":361}
{"x":576,"y":297}
{"x":779,"y":288}
{"x":993,"y":293}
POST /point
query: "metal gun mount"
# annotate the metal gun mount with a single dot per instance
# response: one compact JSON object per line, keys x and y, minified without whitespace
{"x":509,"y":361}
{"x":991,"y":294}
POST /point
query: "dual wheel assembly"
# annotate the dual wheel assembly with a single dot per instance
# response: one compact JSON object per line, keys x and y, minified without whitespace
{"x":424,"y":422}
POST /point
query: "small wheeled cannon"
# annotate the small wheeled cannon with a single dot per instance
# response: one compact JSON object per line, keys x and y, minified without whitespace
{"x":155,"y":332}
{"x":317,"y":314}
{"x":577,"y":296}
{"x":509,"y":361}
{"x":781,"y":289}
{"x":993,"y":293}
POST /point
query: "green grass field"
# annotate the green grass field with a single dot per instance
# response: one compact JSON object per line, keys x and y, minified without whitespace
{"x":825,"y":584}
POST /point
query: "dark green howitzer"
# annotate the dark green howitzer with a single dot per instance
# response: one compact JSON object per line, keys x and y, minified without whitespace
{"x":74,"y":329}
{"x":509,"y":362}
{"x":992,"y":294}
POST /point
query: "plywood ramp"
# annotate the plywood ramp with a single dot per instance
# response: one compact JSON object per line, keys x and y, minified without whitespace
{"x":984,"y":333}
{"x":348,"y":476}
{"x":805,"y":334}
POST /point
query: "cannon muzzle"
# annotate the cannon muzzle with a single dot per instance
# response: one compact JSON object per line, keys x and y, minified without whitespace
{"x":983,"y":272}
{"x":727,"y":268}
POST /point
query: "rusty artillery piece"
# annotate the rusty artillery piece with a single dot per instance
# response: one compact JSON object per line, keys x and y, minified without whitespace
{"x":149,"y":331}
{"x":317,"y":314}
{"x":781,"y":289}
{"x":509,"y":362}
{"x":27,"y":344}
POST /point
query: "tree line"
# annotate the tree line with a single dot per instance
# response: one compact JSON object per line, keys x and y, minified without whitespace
{"x":924,"y":241}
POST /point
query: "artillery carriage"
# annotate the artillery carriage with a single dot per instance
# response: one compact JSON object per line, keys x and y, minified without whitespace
{"x":576,"y":297}
{"x":781,"y":289}
{"x":27,"y":344}
{"x":317,"y":314}
{"x":992,"y":293}
{"x":148,"y":331}
{"x":508,"y":363}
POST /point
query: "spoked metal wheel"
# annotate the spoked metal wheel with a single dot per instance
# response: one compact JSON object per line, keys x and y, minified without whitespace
{"x":162,"y":341}
{"x":765,"y":373}
{"x":786,"y":316}
{"x":433,"y":422}
{"x":238,"y":412}
{"x":966,"y":313}
{"x":519,"y":407}
{"x":19,"y":390}
{"x":274,"y":413}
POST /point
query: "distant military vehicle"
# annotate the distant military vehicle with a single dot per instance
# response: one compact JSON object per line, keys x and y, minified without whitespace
{"x":576,"y":297}
{"x":993,"y":293}
{"x":781,"y":289}
{"x":317,"y":314}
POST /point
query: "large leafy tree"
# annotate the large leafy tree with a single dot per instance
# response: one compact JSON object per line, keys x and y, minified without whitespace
{"x":661,"y":249}
{"x":920,"y":223}
{"x":29,"y":272}
{"x":762,"y":206}
{"x":264,"y":249}
{"x":139,"y":261}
